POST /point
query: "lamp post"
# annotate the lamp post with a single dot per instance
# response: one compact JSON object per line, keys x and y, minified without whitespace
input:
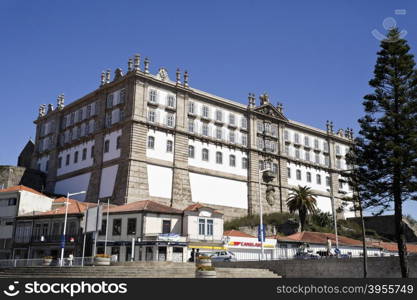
{"x":261,"y":225}
{"x":61,"y":263}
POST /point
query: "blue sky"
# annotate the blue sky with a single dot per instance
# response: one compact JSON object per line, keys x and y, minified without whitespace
{"x":315,"y":57}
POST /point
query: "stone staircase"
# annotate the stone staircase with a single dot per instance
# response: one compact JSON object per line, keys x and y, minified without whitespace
{"x":130,"y":270}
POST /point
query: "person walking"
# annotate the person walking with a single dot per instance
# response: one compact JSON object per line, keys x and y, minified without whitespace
{"x":329,"y":247}
{"x":70,"y":259}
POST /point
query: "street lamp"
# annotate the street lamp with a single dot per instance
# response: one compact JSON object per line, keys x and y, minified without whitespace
{"x":61,"y":263}
{"x":261,"y":226}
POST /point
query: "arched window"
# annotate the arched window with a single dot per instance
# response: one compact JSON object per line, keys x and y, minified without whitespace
{"x":151,"y":142}
{"x":219,"y":158}
{"x":191,"y":151}
{"x":232,"y":161}
{"x":106,"y":146}
{"x":298,"y":174}
{"x":205,"y":154}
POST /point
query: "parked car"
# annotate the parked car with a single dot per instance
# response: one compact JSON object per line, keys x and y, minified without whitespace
{"x":306,"y":255}
{"x":223,"y":256}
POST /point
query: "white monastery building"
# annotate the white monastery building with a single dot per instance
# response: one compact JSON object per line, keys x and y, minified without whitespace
{"x":141,"y":137}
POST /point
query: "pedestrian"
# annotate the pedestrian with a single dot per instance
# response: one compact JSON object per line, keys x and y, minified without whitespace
{"x":70,"y":259}
{"x":329,"y":246}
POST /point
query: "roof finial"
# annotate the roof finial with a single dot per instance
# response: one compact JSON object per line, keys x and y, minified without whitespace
{"x":108,"y":76}
{"x":103,"y":78}
{"x":186,"y":79}
{"x":129,"y":65}
{"x":146,"y":63}
{"x":178,"y":76}
{"x":264,"y":99}
{"x":251,"y":100}
{"x":137,"y":62}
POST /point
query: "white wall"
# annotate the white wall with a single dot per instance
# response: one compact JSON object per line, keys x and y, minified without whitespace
{"x":159,"y":151}
{"x":153,"y":223}
{"x":324,"y":204}
{"x":88,"y":162}
{"x":73,"y":185}
{"x":211,"y":163}
{"x":191,"y":225}
{"x":113,"y":152}
{"x":159,"y":181}
{"x":108,"y":178}
{"x":303,"y":182}
{"x":218,"y":191}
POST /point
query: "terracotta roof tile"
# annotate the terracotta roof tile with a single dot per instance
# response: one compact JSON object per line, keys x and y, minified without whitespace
{"x":237,"y":233}
{"x":145,"y":205}
{"x":411,"y":248}
{"x":197,"y":206}
{"x":75,"y":207}
{"x":21,"y":188}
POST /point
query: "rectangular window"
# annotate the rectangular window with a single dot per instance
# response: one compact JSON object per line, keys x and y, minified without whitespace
{"x":122,"y":96}
{"x":80,"y":115}
{"x":169,"y":146}
{"x":191,"y":107}
{"x":317,"y":158}
{"x":202,"y":226}
{"x":131,"y":226}
{"x":106,"y":146}
{"x":151,"y":142}
{"x":327,"y":160}
{"x":153,"y":96}
{"x":316,"y":144}
{"x":296,"y":138}
{"x":219,"y":158}
{"x":191,"y":151}
{"x":151,"y":116}
{"x":219,"y":116}
{"x":232,"y":160}
{"x":308,"y":177}
{"x":244,"y":123}
{"x":244,"y":139}
{"x":210,"y":227}
{"x":108,"y":120}
{"x":118,"y":142}
{"x":59,"y":162}
{"x":103,"y":227}
{"x":204,"y":129}
{"x":75,"y":157}
{"x":338,"y":163}
{"x":170,"y":120}
{"x":327,"y":181}
{"x":286,"y":135}
{"x":205,"y":111}
{"x":306,"y":141}
{"x":84,"y":156}
{"x":260,"y":126}
{"x":231,"y":119}
{"x":297,"y":153}
{"x":205,"y":155}
{"x":298,"y":174}
{"x":12,"y":202}
{"x":307,"y":154}
{"x":166,"y":226}
{"x":171,"y":101}
{"x":117,"y":226}
{"x":191,"y":126}
{"x":318,"y":179}
{"x":244,"y":163}
{"x":232,"y":136}
{"x":219,"y":132}
{"x":341,"y":185}
{"x":109,"y":102}
{"x":289,"y":172}
{"x":338,"y":150}
{"x":325,"y":147}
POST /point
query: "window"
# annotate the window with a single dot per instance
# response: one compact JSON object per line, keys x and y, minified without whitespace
{"x":296,"y":138}
{"x":205,"y":155}
{"x":209,"y":227}
{"x":153,"y":96}
{"x":316,"y":143}
{"x":327,"y":180}
{"x":287,"y":149}
{"x":201,"y":226}
{"x":327,"y":160}
{"x":244,"y":163}
{"x":151,"y":142}
{"x":231,"y":119}
{"x":244,"y":139}
{"x":205,"y":111}
{"x":75,"y":157}
{"x":244,"y":123}
{"x":289,"y":172}
{"x":317,"y":158}
{"x":166,"y":226}
{"x":340,"y":185}
{"x":232,"y":160}
{"x":88,"y":113}
{"x":191,"y":107}
{"x":72,"y":117}
{"x":12,"y":202}
{"x":219,"y":115}
{"x":47,"y":166}
{"x":152,"y":116}
{"x":122,"y":96}
{"x":219,"y":132}
{"x":274,"y":130}
{"x":170,"y":120}
{"x":59,"y":162}
{"x":337,"y":150}
{"x":325,"y":147}
{"x":318,"y":179}
{"x":260,"y":126}
{"x":338,"y":163}
{"x":191,"y":126}
{"x":80,"y":115}
{"x":117,"y":226}
{"x":106,"y":146}
{"x":131,"y":226}
{"x":169,"y":146}
{"x":306,"y":141}
{"x":232,"y":136}
{"x":286,"y":135}
{"x":109,"y":102}
{"x":307,"y":154}
{"x":204,"y":129}
{"x":108,"y":119}
{"x":191,"y":152}
{"x":84,"y":156}
{"x":308,"y":177}
{"x":297,"y":153}
{"x":118,"y":142}
{"x":170,"y":101}
{"x":121,"y":115}
{"x":92,"y":152}
{"x":219,"y":158}
{"x":298,"y":174}
{"x":267,"y":128}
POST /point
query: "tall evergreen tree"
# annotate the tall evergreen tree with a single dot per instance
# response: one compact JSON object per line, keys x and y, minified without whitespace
{"x":385,"y":153}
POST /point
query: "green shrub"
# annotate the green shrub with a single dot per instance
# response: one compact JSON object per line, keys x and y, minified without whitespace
{"x":205,"y":268}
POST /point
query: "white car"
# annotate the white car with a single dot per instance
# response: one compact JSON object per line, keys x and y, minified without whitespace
{"x":223,"y":256}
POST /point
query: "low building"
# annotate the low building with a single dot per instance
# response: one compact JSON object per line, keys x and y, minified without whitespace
{"x":248,"y":247}
{"x":147,"y":230}
{"x":16,"y":201}
{"x":391,"y":249}
{"x":39,"y":234}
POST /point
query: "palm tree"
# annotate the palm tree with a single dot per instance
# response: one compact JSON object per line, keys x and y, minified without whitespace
{"x":301,"y":199}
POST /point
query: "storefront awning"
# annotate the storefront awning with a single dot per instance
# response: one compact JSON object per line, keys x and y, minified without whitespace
{"x":208,"y":246}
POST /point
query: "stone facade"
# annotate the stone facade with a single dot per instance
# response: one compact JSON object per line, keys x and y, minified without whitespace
{"x":133,"y":180}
